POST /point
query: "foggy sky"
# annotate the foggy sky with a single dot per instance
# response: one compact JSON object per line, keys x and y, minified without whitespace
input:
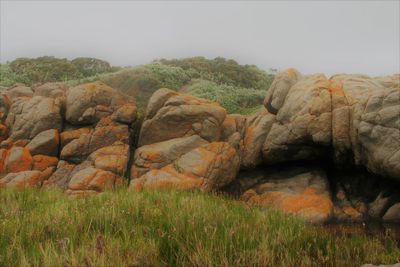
{"x":329,"y":37}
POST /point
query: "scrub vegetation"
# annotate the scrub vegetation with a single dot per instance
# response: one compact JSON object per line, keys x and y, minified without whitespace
{"x":238,"y":88}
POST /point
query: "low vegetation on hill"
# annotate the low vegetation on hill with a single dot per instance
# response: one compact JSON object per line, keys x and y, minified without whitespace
{"x":50,"y":69}
{"x":156,"y":228}
{"x":238,"y":88}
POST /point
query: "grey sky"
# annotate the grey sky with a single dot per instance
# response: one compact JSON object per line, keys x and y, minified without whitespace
{"x":329,"y":37}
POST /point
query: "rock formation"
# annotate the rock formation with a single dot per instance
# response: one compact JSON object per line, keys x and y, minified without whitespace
{"x":322,"y":148}
{"x":77,"y":138}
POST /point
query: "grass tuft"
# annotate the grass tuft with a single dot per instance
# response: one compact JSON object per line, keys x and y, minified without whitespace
{"x":167,"y":228}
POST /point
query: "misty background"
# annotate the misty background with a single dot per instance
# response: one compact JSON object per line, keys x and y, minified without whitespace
{"x":329,"y":36}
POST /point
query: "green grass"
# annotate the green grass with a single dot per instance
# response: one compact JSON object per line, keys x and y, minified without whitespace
{"x":167,"y":228}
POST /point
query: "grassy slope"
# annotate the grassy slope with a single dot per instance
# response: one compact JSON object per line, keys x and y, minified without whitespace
{"x":153,"y":228}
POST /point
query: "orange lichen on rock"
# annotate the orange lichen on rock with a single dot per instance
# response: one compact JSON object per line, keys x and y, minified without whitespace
{"x":308,"y":205}
{"x":23,"y":179}
{"x":166,"y":178}
{"x":3,"y":154}
{"x":68,"y":136}
{"x":42,"y":162}
{"x":21,"y":143}
{"x":18,"y":159}
{"x":92,"y":179}
{"x":336,"y":89}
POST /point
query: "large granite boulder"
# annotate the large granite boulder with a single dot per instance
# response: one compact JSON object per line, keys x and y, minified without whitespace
{"x":207,"y":167}
{"x":104,"y":134}
{"x":22,"y":179}
{"x":51,"y":89}
{"x":355,"y":119}
{"x":171,"y":115}
{"x":88,"y":103}
{"x":28,"y":117}
{"x":303,"y":123}
{"x":45,"y":143}
{"x":16,"y":159}
{"x":19,"y":90}
{"x":256,"y":131}
{"x":279,"y":89}
{"x":366,"y":122}
{"x":187,"y":143}
{"x":299,"y":191}
{"x":158,"y":155}
{"x":233,"y":130}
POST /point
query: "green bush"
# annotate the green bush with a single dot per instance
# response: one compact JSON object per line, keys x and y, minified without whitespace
{"x":233,"y":99}
{"x":223,"y":71}
{"x":9,"y":78}
{"x":50,"y":69}
{"x":44,"y":69}
{"x":88,"y":66}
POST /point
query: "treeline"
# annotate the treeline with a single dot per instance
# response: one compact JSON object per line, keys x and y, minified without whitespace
{"x":49,"y":69}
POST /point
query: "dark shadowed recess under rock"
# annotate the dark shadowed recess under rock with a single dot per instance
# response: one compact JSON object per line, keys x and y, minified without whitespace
{"x":357,"y":195}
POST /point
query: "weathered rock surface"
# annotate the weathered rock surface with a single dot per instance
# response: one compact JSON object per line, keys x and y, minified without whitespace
{"x":104,"y":134}
{"x":60,"y":178}
{"x":45,"y":143}
{"x":93,"y":179}
{"x":79,"y":139}
{"x":28,"y":117}
{"x":207,"y":167}
{"x":16,"y":159}
{"x":366,"y":122}
{"x":17,"y":91}
{"x":88,"y":103}
{"x":298,"y":191}
{"x":392,"y":214}
{"x":256,"y":131}
{"x":303,"y":123}
{"x":158,"y":155}
{"x":98,"y":154}
{"x":42,"y":162}
{"x":172,"y":115}
{"x":22,"y":179}
{"x":187,"y":143}
{"x":51,"y":89}
{"x":279,"y":89}
{"x":233,"y":129}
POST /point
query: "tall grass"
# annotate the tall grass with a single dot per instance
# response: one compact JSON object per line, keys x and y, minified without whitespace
{"x":160,"y":228}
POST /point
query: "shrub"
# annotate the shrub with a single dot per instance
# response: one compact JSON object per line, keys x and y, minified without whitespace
{"x":90,"y":66}
{"x":233,"y":99}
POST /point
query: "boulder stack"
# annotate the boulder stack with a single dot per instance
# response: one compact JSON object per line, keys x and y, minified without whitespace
{"x":77,"y":138}
{"x":321,"y":148}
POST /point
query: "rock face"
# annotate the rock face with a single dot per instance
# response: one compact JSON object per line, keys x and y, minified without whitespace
{"x":322,"y":148}
{"x":88,"y":103}
{"x":208,"y":167}
{"x":303,"y":123}
{"x":93,"y":158}
{"x":105,"y":133}
{"x":301,"y":191}
{"x":158,"y":155}
{"x":28,"y":117}
{"x":171,"y":115}
{"x":45,"y":143}
{"x":184,"y":143}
